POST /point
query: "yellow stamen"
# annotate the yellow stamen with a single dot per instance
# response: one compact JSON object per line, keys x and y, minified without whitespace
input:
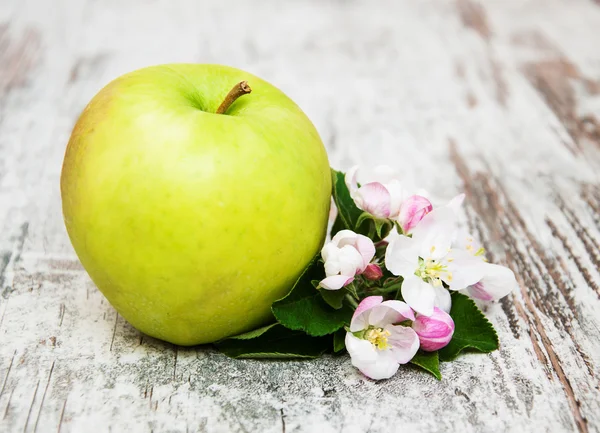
{"x":378,"y":337}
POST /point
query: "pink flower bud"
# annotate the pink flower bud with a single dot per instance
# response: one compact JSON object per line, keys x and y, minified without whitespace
{"x":412,"y":211}
{"x":434,"y":331}
{"x":373,"y":272}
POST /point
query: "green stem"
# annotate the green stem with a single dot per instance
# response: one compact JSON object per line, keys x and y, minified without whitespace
{"x":394,"y":287}
{"x":351,"y":301}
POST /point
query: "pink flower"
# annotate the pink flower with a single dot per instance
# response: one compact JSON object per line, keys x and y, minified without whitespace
{"x":345,"y":256}
{"x":434,"y":331}
{"x":381,"y":197}
{"x":412,"y":211}
{"x":373,"y":272}
{"x":377,"y":344}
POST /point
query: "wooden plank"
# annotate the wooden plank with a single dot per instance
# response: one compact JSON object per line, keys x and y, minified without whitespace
{"x":500,"y":99}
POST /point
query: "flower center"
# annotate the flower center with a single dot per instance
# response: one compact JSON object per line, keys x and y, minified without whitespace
{"x":378,"y":337}
{"x":432,"y":271}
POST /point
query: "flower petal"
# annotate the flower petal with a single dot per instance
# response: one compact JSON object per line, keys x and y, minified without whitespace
{"x":402,"y":256}
{"x":404,"y":342}
{"x":412,"y":211}
{"x":333,"y":211}
{"x":350,"y":261}
{"x":443,"y":300}
{"x":335,"y":282}
{"x":366,"y":248}
{"x":397,"y":193}
{"x":435,"y":232}
{"x":497,"y":282}
{"x":361,"y":314}
{"x":350,"y":179}
{"x":383,"y":368}
{"x":327,"y":250}
{"x":465,"y":269}
{"x":373,"y":363}
{"x":456,"y":203}
{"x":418,"y":294}
{"x":434,"y":331}
{"x":374,"y":198}
{"x":390,"y":312}
{"x":401,"y":308}
{"x":344,"y":237}
{"x":360,"y":350}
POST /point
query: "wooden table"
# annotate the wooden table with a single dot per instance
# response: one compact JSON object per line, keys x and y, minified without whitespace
{"x":500,"y":100}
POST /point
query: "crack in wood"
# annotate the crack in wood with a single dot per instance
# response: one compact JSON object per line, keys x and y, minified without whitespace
{"x":551,"y":78}
{"x":473,"y":16}
{"x":8,"y":404}
{"x":592,"y":199}
{"x":62,"y":416}
{"x":37,"y":419}
{"x":175,"y":363}
{"x":61,"y":314}
{"x":114,"y":332}
{"x":31,"y":406}
{"x":537,"y":349}
{"x":585,"y":273}
{"x":592,"y":247}
{"x":17,"y":59}
{"x":490,"y":209}
{"x":7,"y":373}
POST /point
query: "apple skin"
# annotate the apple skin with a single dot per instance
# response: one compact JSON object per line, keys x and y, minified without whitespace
{"x":192,"y":223}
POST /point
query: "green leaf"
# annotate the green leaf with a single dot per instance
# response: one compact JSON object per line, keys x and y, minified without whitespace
{"x":472,"y":330}
{"x":304,"y":308}
{"x":376,"y":228}
{"x":334,"y":298}
{"x":428,"y":361}
{"x":338,"y":225}
{"x":339,"y":340}
{"x":274,"y":341}
{"x":348,"y":213}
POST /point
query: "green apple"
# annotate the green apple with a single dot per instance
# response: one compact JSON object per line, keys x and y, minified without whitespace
{"x":189,"y":221}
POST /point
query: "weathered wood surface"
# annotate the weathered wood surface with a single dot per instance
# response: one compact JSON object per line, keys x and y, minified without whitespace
{"x":500,"y":99}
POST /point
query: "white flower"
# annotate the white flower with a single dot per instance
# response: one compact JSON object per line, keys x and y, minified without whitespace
{"x":376,"y":344}
{"x":427,"y":261}
{"x":496,"y":281}
{"x":381,"y":196}
{"x":345,"y":256}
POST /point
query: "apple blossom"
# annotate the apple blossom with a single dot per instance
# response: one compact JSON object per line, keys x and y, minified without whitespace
{"x":381,"y":196}
{"x":412,"y":211}
{"x":427,"y":261}
{"x":346,"y":255}
{"x":496,"y":281}
{"x":377,"y":344}
{"x":434,"y":331}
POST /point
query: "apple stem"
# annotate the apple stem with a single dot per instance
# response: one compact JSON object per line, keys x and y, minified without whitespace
{"x":240,"y":89}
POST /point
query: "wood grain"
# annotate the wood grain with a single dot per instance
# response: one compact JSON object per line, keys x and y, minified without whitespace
{"x":498,"y":99}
